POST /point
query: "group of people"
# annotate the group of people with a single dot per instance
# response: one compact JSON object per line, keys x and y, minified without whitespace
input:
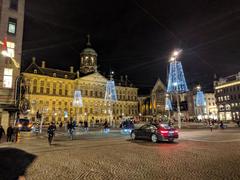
{"x":12,"y":133}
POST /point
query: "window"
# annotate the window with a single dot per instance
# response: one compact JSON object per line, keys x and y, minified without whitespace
{"x":11,"y":49}
{"x":7,"y":78}
{"x":13,"y":4}
{"x":12,"y":26}
{"x":48,"y":88}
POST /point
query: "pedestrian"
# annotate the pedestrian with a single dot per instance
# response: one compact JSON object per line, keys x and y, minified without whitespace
{"x":2,"y":132}
{"x":61,"y":124}
{"x":105,"y":126}
{"x":51,"y":130}
{"x":16,"y":133}
{"x":221,"y":125}
{"x":211,"y":126}
{"x":86,"y":125}
{"x":9,"y":133}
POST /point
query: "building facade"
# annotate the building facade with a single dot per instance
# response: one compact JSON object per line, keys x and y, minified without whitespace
{"x":11,"y":34}
{"x":50,"y":92}
{"x":227,"y":93}
{"x":210,"y":109}
{"x":152,"y":107}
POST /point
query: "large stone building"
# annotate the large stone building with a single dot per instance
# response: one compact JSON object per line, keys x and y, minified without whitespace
{"x":153,"y":106}
{"x":11,"y":33}
{"x":51,"y":92}
{"x":227,"y":93}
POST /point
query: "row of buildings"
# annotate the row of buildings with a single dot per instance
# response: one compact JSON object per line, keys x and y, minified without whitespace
{"x":42,"y":90}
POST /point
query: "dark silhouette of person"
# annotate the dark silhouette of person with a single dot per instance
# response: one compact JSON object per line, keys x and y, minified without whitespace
{"x":14,"y":163}
{"x":9,"y":133}
{"x":2,"y":132}
{"x":16,"y":133}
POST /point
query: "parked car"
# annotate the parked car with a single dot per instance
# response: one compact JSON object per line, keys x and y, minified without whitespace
{"x":24,"y":124}
{"x":154,"y":132}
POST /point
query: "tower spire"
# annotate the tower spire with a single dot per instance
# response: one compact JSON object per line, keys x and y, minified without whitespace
{"x":88,"y":40}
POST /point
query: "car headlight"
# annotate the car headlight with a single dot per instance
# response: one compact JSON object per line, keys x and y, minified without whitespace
{"x":19,"y":125}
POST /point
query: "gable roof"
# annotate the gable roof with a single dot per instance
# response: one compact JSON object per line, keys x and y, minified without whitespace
{"x":96,"y":76}
{"x":49,"y":71}
{"x":159,"y":84}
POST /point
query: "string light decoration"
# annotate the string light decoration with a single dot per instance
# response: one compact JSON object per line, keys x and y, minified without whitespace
{"x":168,"y":104}
{"x":110,"y":96}
{"x":77,"y":100}
{"x":200,"y":103}
{"x":200,"y":99}
{"x":110,"y":93}
{"x":176,"y":79}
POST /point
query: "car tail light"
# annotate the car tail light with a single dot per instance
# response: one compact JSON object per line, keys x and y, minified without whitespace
{"x":176,"y":131}
{"x":164,"y":132}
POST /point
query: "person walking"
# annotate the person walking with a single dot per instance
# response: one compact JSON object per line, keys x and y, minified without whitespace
{"x":70,"y":128}
{"x":86,"y":125}
{"x":51,"y":130}
{"x":2,"y":132}
{"x":9,"y":133}
{"x":16,"y":133}
{"x":211,"y":126}
{"x":105,"y":126}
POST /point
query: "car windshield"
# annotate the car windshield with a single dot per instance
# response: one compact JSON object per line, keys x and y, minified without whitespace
{"x":23,"y":121}
{"x":165,"y":126}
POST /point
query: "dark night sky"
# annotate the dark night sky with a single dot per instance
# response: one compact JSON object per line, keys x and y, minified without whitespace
{"x":136,"y":37}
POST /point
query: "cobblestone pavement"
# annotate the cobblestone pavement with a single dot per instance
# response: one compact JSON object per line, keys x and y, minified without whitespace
{"x":198,"y":154}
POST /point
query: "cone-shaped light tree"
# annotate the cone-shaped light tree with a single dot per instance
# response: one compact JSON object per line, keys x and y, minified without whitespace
{"x":200,"y":102}
{"x":176,"y":80}
{"x":110,"y":96}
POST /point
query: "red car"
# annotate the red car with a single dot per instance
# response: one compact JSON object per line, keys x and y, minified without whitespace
{"x":155,"y":132}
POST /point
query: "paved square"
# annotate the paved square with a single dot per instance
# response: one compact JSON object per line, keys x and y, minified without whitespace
{"x":198,"y":154}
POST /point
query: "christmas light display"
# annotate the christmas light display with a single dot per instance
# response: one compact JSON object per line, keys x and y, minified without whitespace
{"x":176,"y":79}
{"x":168,"y":104}
{"x":200,"y":99}
{"x":110,"y":97}
{"x":77,"y":100}
{"x":110,"y":94}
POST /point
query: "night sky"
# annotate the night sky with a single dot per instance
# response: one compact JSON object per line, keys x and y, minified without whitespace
{"x":136,"y":37}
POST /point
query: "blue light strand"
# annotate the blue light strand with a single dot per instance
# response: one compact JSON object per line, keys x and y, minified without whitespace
{"x":110,"y":94}
{"x":176,"y":79}
{"x":77,"y":100}
{"x":168,"y":104}
{"x":200,"y":99}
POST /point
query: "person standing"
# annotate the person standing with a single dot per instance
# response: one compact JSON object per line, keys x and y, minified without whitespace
{"x":16,"y":133}
{"x":9,"y":133}
{"x":2,"y":132}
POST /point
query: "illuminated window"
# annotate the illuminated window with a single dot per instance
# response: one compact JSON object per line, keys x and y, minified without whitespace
{"x":12,"y":26}
{"x":11,"y":49}
{"x":7,"y":78}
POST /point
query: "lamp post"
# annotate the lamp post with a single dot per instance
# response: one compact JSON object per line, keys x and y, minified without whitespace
{"x":176,"y":81}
